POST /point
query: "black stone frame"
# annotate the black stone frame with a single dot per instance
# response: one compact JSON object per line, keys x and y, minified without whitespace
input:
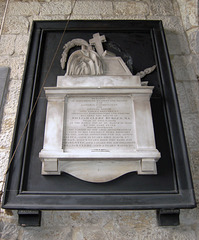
{"x":171,"y":188}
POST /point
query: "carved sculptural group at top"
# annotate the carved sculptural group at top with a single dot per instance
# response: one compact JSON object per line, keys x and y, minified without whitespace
{"x":87,"y":61}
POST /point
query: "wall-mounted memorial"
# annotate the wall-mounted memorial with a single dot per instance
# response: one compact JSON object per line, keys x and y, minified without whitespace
{"x":106,"y":132}
{"x":98,"y":123}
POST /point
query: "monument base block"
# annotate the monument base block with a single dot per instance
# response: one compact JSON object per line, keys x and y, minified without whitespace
{"x":99,"y":169}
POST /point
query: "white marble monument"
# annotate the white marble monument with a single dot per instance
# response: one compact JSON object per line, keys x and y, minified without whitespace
{"x":98,"y":122}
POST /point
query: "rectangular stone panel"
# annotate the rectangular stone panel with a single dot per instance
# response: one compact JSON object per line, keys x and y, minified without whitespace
{"x":99,"y":124}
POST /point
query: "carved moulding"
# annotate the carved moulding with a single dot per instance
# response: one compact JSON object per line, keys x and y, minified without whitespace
{"x":98,"y":122}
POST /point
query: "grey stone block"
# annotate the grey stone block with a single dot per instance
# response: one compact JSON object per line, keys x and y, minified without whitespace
{"x":195,"y":62}
{"x":130,"y":8}
{"x":188,"y":95}
{"x":183,"y":68}
{"x":193,"y":36}
{"x":4,"y":79}
{"x":10,"y":231}
{"x":177,"y":43}
{"x":16,"y":25}
{"x":23,"y":8}
{"x":7,"y":127}
{"x":194,"y":162}
{"x":191,"y":128}
{"x":172,"y":24}
{"x":189,"y":13}
{"x":102,"y":8}
{"x":55,"y":8}
{"x":162,"y":7}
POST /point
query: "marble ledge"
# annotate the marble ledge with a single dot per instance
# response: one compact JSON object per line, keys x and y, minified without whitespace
{"x":139,"y":153}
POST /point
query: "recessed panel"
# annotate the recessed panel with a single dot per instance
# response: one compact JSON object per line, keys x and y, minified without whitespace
{"x":99,"y":124}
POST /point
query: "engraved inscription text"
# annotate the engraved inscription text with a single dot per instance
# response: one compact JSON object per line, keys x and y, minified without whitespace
{"x":99,"y":124}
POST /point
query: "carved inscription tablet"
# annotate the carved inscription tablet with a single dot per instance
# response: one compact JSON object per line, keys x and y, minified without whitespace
{"x":99,"y":124}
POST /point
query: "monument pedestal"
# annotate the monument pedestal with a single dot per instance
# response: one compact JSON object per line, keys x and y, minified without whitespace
{"x":99,"y":128}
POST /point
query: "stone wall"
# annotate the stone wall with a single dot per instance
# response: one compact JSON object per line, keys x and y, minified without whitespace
{"x":180,"y":19}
